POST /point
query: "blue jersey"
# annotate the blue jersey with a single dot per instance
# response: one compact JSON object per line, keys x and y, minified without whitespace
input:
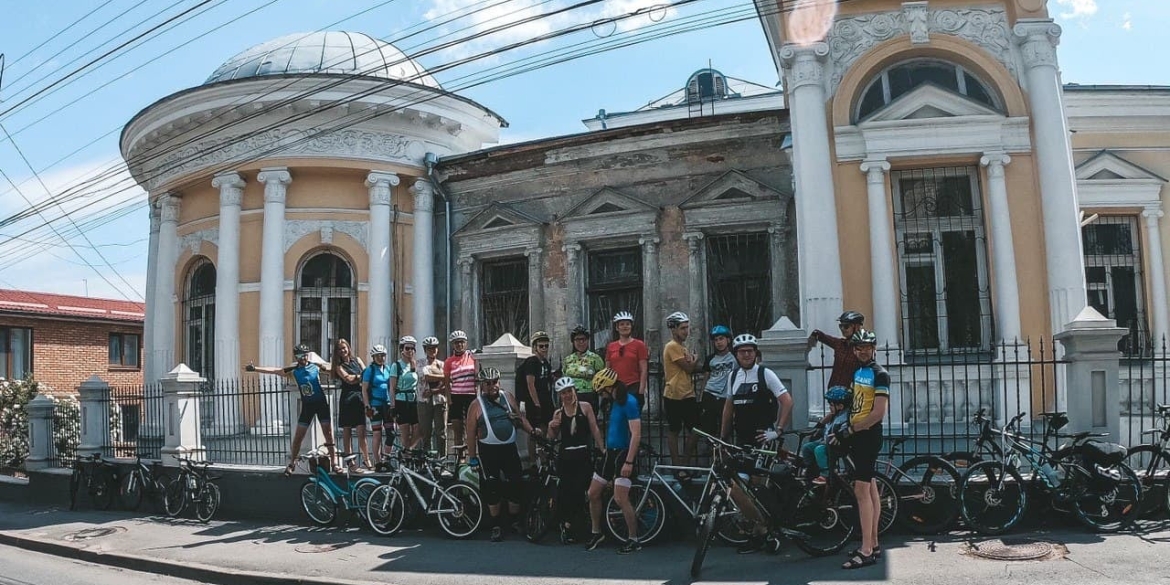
{"x":309,"y":383}
{"x":378,"y":377}
{"x":618,"y":435}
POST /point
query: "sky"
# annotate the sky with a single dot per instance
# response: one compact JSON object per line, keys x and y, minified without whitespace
{"x":67,"y":128}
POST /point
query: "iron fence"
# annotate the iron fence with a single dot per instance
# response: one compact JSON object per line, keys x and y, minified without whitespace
{"x":246,"y":421}
{"x":1143,"y":380}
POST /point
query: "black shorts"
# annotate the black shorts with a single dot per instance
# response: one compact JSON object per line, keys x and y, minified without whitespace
{"x":539,"y":416}
{"x":500,"y":462}
{"x":382,"y":414}
{"x":459,"y":405}
{"x":864,"y":447}
{"x":711,"y":413}
{"x":406,"y":412}
{"x":610,"y":466}
{"x":309,"y":410}
{"x":352,"y":412}
{"x":681,"y":414}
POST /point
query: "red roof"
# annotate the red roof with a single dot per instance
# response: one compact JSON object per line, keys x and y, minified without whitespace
{"x":39,"y":303}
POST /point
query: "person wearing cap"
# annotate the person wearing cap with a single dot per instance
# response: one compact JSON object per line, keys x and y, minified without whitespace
{"x":459,"y":380}
{"x":575,"y":423}
{"x":844,"y":362}
{"x":678,"y":394}
{"x":379,"y":402}
{"x":716,"y":369}
{"x":536,"y":375}
{"x":306,"y":374}
{"x":629,"y":357}
{"x":432,"y":402}
{"x":403,"y":385}
{"x":581,"y":365}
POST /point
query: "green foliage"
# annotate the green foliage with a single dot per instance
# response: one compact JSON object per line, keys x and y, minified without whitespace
{"x":14,"y":396}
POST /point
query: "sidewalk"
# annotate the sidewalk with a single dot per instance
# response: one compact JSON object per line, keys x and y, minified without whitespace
{"x":249,"y":552}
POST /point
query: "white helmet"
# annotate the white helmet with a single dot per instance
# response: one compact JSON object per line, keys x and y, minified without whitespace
{"x":407,"y":340}
{"x":623,"y":316}
{"x":563,"y":383}
{"x":744,"y":339}
{"x":431,"y":341}
{"x":677,"y":318}
{"x":457,"y":335}
{"x":378,"y":349}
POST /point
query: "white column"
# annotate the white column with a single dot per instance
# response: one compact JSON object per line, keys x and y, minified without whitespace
{"x":163,"y":351}
{"x":883,"y":279}
{"x":573,"y":282}
{"x":816,"y":208}
{"x":272,"y":351}
{"x":651,"y":290}
{"x":380,"y":251}
{"x":227,"y":278}
{"x":1003,"y":249}
{"x":1161,"y":322}
{"x":423,"y":267}
{"x":150,"y":373}
{"x":466,"y":290}
{"x":535,"y":291}
{"x":1058,"y":197}
{"x":698,"y":280}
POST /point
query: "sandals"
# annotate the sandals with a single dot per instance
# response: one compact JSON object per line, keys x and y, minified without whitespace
{"x":290,"y":469}
{"x":877,"y":552}
{"x":859,"y":560}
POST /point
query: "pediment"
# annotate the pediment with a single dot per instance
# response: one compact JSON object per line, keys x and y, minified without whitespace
{"x":1109,"y":166}
{"x":498,"y":216}
{"x":731,"y":187}
{"x":608,"y":201}
{"x":929,"y":101}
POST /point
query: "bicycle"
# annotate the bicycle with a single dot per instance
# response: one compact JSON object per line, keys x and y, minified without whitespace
{"x":98,"y":476}
{"x":457,"y":506}
{"x":927,"y":487}
{"x":985,"y":445}
{"x":194,"y":484}
{"x":542,"y":506}
{"x":650,"y":511}
{"x":1087,"y":475}
{"x":843,"y":466}
{"x":321,"y":496}
{"x":1151,"y":462}
{"x":142,"y":480}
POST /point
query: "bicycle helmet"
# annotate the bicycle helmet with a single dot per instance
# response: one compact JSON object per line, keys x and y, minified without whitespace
{"x":604,"y":379}
{"x":487,"y":374}
{"x":744,"y":340}
{"x":564,"y":383}
{"x":538,"y":336}
{"x":300,"y":350}
{"x":839,"y":395}
{"x":407,"y":340}
{"x":578,"y":330}
{"x":723,"y":330}
{"x":677,"y":318}
{"x":431,"y":341}
{"x":378,"y":350}
{"x":457,"y":335}
{"x":852,"y":318}
{"x":863,"y":337}
{"x":623,"y":316}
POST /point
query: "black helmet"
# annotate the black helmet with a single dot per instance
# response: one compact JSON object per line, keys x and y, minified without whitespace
{"x":852,"y":318}
{"x":578,"y":330}
{"x":300,"y":350}
{"x":863,"y":337}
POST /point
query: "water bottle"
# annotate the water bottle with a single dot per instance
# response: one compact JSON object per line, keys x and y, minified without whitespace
{"x":1051,"y":474}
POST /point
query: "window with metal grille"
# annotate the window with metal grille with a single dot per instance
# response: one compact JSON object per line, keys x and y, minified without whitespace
{"x":614,"y":284}
{"x":739,"y":284}
{"x":16,"y":352}
{"x":503,"y":299}
{"x":326,"y":300}
{"x":1113,"y":275}
{"x":942,"y":257}
{"x":198,"y":318}
{"x":123,"y":350}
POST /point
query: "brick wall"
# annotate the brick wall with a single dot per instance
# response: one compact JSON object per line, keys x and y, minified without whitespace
{"x":67,"y":352}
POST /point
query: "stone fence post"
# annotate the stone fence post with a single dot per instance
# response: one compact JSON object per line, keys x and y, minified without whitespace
{"x":94,"y":397}
{"x":181,"y":392}
{"x":1090,"y":346}
{"x":785,"y":350}
{"x":505,"y":354}
{"x":40,"y":432}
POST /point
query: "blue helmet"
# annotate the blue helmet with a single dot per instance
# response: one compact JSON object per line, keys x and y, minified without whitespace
{"x":718,"y":330}
{"x":839,"y":395}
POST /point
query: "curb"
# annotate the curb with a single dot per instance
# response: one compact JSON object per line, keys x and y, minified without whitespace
{"x":190,"y":571}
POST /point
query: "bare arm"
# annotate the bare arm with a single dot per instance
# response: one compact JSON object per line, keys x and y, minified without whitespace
{"x":554,"y":426}
{"x":523,"y":420}
{"x":593,"y":427}
{"x":472,"y":432}
{"x":635,"y":442}
{"x":728,"y":409}
{"x":644,"y":367}
{"x":268,"y":370}
{"x":531,"y":380}
{"x":783,"y":411}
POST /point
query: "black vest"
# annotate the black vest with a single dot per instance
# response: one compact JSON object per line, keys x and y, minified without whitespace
{"x":754,"y":404}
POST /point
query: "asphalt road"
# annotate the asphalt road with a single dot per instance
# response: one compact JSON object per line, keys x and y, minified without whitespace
{"x":22,"y":567}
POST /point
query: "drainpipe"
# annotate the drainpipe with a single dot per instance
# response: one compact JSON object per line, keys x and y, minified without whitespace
{"x":430,"y":160}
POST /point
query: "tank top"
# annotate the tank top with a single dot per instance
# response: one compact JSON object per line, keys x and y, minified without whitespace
{"x":498,"y":428}
{"x":574,"y":430}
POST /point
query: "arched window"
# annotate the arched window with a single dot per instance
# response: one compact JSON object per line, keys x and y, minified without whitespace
{"x":326,"y":301}
{"x":199,"y":318}
{"x":902,"y":78}
{"x":706,"y":85}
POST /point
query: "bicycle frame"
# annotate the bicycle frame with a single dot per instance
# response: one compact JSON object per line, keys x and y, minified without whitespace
{"x":709,"y":484}
{"x":338,"y":493}
{"x":409,"y":477}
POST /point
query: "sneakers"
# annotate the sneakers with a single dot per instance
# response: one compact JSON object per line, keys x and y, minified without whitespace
{"x":754,"y":544}
{"x":820,"y":480}
{"x":497,"y":534}
{"x":631,"y":545}
{"x":567,"y":536}
{"x":595,"y":541}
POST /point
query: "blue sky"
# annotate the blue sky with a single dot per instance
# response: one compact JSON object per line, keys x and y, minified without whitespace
{"x":1104,"y":41}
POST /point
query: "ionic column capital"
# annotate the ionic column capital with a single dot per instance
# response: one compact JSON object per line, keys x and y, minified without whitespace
{"x":276,"y":180}
{"x":231,"y":188}
{"x":995,"y":161}
{"x":1152,"y":215}
{"x":875,"y":169}
{"x":694,"y":240}
{"x":424,"y":195}
{"x":649,"y":244}
{"x":168,"y":209}
{"x":803,"y":64}
{"x":379,"y":184}
{"x":571,"y":250}
{"x":1038,"y":40}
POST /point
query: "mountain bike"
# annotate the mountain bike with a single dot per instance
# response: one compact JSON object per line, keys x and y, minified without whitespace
{"x":927,"y":487}
{"x":141,"y":481}
{"x":843,"y":466}
{"x":194,"y":485}
{"x":457,"y":505}
{"x":1087,"y":476}
{"x":98,"y":477}
{"x":1151,"y":463}
{"x":985,"y":446}
{"x":321,"y":496}
{"x":542,"y":506}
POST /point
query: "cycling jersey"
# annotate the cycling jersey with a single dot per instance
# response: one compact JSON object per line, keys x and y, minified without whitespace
{"x":308,"y":379}
{"x":581,"y":367}
{"x":378,"y":377}
{"x":460,"y":369}
{"x":494,"y":423}
{"x":870,"y":381}
{"x":753,"y":393}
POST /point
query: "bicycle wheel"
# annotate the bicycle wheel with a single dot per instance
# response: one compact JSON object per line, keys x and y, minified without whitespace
{"x":132,"y":490}
{"x":1114,"y":507}
{"x":539,"y":517}
{"x":650,"y":515}
{"x":208,"y":502}
{"x":74,"y":487}
{"x":158,"y":493}
{"x":707,"y":533}
{"x":992,"y":497}
{"x":385,"y":510}
{"x":462,"y":510}
{"x":318,"y":503}
{"x":1152,"y":466}
{"x":825,"y":519}
{"x":888,"y":496}
{"x":361,"y":496}
{"x":175,"y":496}
{"x":103,"y":488}
{"x":928,"y":489}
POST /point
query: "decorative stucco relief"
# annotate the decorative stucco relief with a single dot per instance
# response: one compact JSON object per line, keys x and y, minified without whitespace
{"x":296,"y":229}
{"x":192,"y":240}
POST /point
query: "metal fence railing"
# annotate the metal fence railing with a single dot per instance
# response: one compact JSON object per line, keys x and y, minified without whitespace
{"x":247,"y":421}
{"x":1144,"y":379}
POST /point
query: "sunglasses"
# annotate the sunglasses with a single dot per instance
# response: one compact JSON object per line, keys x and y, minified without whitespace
{"x":542,"y":346}
{"x":409,"y":348}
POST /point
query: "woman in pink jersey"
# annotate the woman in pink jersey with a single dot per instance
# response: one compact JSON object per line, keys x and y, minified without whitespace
{"x":459,"y":378}
{"x":629,"y":357}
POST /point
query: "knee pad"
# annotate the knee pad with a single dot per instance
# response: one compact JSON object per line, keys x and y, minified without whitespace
{"x":622,"y":482}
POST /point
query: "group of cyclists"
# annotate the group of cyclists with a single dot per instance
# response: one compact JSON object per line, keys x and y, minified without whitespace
{"x":597,"y":409}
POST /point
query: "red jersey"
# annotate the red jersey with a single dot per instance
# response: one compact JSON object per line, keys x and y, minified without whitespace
{"x":624,"y":360}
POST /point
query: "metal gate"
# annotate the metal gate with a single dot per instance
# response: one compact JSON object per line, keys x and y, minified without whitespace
{"x":503,"y":299}
{"x":739,"y":286}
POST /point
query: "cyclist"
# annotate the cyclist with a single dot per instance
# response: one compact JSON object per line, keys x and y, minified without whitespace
{"x":682,"y":411}
{"x":307,"y":375}
{"x":575,"y":421}
{"x":459,"y":380}
{"x":622,"y":438}
{"x":491,"y":447}
{"x":536,"y":374}
{"x":756,"y":400}
{"x":716,"y":368}
{"x":844,"y":362}
{"x":432,"y":404}
{"x":629,"y":357}
{"x":379,"y":402}
{"x":351,"y":412}
{"x":815,"y":453}
{"x":581,"y":365}
{"x":404,"y":385}
{"x":863,"y":438}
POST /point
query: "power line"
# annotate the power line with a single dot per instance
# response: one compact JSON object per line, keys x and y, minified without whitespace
{"x":62,"y":31}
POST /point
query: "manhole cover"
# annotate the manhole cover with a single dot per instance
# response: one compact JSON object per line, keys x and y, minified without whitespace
{"x":316,"y":548}
{"x":92,"y":533}
{"x":1029,"y":550}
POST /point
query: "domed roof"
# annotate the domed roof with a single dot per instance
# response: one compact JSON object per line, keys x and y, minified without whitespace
{"x":343,"y":53}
